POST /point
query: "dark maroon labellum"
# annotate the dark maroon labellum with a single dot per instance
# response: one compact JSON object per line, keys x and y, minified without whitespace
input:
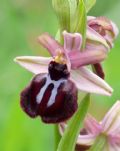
{"x":52,"y":96}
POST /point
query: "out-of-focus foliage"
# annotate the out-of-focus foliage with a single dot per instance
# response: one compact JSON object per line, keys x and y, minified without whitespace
{"x":21,"y":21}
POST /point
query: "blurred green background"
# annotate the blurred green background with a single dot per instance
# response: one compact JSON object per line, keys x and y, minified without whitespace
{"x":21,"y":21}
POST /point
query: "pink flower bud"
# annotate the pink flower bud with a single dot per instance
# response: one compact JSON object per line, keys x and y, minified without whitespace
{"x":105,"y":27}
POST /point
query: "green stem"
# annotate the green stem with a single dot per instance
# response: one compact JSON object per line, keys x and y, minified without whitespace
{"x":99,"y":143}
{"x":70,"y":135}
{"x":57,"y":137}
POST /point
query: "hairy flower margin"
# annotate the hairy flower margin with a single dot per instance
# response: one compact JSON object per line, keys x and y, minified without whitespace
{"x":109,"y":127}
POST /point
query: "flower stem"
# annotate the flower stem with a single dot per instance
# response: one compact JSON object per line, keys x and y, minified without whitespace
{"x":68,"y":141}
{"x":99,"y":143}
{"x":57,"y":137}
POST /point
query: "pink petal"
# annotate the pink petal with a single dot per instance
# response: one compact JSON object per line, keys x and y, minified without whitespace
{"x":95,"y":37}
{"x":111,"y":122}
{"x":72,"y":41}
{"x":114,"y":139}
{"x":85,"y":140}
{"x":33,"y":64}
{"x":105,"y":23}
{"x":102,"y":21}
{"x":53,"y":47}
{"x":90,"y":17}
{"x":115,"y":29}
{"x":96,"y":46}
{"x":104,"y":27}
{"x":50,"y":43}
{"x":87,"y":81}
{"x":92,"y":126}
{"x":113,"y":147}
{"x":115,"y":125}
{"x":86,"y":57}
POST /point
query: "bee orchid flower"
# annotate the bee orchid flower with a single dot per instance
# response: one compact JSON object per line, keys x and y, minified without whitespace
{"x":52,"y":93}
{"x":109,"y":127}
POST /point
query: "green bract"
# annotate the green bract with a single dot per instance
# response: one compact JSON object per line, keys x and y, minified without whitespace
{"x":71,"y":15}
{"x":62,"y":9}
{"x":80,"y":21}
{"x":89,"y":4}
{"x":69,"y":138}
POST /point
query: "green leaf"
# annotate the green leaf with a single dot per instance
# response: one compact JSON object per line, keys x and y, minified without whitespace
{"x":99,"y":143}
{"x":62,"y":9}
{"x":81,"y":20}
{"x":70,"y":135}
{"x":89,"y":4}
{"x":57,"y":136}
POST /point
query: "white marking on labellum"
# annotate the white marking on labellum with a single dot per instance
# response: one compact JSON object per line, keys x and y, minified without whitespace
{"x":53,"y":93}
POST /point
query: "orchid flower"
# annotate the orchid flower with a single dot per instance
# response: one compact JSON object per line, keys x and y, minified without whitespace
{"x":107,"y":29}
{"x":109,"y":127}
{"x":81,"y":76}
{"x":52,"y":93}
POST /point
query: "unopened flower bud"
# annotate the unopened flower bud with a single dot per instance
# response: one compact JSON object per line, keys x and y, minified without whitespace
{"x":105,"y":27}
